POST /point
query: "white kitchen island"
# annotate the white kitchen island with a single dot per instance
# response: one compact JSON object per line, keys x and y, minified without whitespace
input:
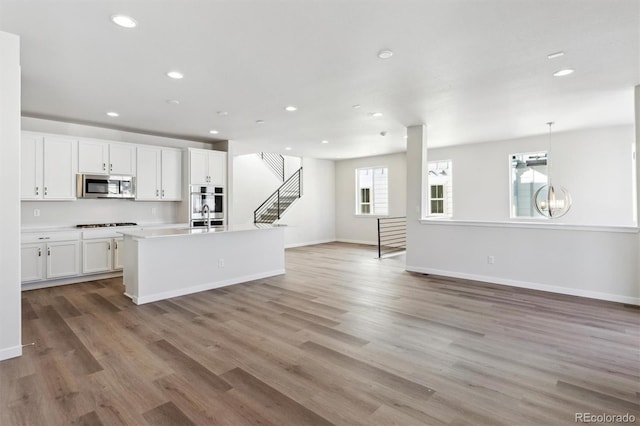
{"x":164,"y":263}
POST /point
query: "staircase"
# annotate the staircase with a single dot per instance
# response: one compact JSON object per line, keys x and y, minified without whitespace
{"x":275,"y":162}
{"x":274,"y":206}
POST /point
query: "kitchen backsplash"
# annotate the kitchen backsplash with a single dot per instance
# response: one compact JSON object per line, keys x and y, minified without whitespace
{"x":71,"y":213}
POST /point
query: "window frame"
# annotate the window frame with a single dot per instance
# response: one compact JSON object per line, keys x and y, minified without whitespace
{"x":447,"y":191}
{"x":372,"y":199}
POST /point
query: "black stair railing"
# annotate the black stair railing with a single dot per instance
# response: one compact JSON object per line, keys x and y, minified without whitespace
{"x":275,"y":162}
{"x":392,"y":235}
{"x":274,"y":206}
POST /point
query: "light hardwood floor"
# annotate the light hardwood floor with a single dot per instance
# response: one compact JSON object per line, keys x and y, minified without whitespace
{"x":342,"y":338}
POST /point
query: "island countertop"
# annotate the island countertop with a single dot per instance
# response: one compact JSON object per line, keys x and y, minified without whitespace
{"x":183,"y":231}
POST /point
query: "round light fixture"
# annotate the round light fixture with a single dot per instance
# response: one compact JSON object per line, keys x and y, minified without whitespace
{"x":259,"y":121}
{"x":356,"y":106}
{"x":288,"y":148}
{"x":113,"y":114}
{"x":214,"y":132}
{"x":385,"y":54}
{"x":375,"y":114}
{"x":173,"y":101}
{"x":291,"y":108}
{"x":325,"y":141}
{"x":124,"y":21}
{"x":562,"y":73}
{"x":176,"y":75}
{"x":555,"y":55}
{"x":222,"y":113}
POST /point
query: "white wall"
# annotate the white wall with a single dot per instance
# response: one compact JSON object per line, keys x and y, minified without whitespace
{"x":363,"y":229}
{"x":594,"y":256}
{"x":594,"y":165}
{"x":10,"y":330}
{"x":310,"y":220}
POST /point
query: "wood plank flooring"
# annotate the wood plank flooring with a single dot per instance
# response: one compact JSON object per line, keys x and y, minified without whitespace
{"x":342,"y":338}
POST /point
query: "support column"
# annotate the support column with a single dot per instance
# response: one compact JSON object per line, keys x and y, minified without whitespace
{"x":416,"y":162}
{"x":637,"y":123}
{"x":10,"y":311}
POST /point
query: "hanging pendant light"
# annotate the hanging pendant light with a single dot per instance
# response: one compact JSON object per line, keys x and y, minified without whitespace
{"x":551,"y":200}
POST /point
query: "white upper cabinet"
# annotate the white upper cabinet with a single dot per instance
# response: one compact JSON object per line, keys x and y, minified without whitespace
{"x":207,"y":167}
{"x":171,"y":174}
{"x":31,"y":181}
{"x":159,"y":174}
{"x":49,"y":167}
{"x":106,"y":158}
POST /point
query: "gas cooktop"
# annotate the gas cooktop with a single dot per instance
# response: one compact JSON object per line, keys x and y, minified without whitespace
{"x":106,"y":225}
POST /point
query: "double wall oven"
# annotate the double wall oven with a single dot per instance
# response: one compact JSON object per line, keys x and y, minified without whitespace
{"x":205,"y":198}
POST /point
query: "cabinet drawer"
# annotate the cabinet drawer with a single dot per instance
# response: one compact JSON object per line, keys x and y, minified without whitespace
{"x":46,"y":237}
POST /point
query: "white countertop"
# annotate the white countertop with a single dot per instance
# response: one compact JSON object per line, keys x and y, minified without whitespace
{"x":181,"y":231}
{"x":111,"y":228}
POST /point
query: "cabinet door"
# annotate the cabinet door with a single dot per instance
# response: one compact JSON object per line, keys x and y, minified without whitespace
{"x":32,"y":262}
{"x":148,"y":170}
{"x":118,"y":253}
{"x":199,"y":167}
{"x":31,"y":167}
{"x":122,"y":159}
{"x":63,"y":259}
{"x":171,"y":175}
{"x":93,"y":157}
{"x":60,"y":167}
{"x":217,"y":168}
{"x":96,"y":256}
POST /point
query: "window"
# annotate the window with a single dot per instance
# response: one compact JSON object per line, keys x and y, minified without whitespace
{"x":372,"y":186}
{"x":528,"y":174}
{"x":440,"y":199}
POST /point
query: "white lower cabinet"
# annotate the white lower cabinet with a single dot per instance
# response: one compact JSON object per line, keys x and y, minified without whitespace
{"x":102,"y":255}
{"x":118,"y":253}
{"x":50,"y":260}
{"x":96,"y":255}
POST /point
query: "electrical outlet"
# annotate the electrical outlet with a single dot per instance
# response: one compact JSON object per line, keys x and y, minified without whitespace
{"x":491,"y":260}
{"x":36,"y":212}
{"x":220,"y":263}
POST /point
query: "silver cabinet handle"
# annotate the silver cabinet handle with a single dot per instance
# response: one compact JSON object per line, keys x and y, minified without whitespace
{"x":163,"y":193}
{"x":44,"y":238}
{"x":104,"y":166}
{"x":48,"y":252}
{"x":39,"y":252}
{"x":45,"y":190}
{"x":110,"y":167}
{"x":36,"y":190}
{"x":115,"y":245}
{"x":108,"y":246}
{"x":157,"y":193}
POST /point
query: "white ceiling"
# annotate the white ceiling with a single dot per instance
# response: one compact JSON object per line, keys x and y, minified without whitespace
{"x":471,"y":70}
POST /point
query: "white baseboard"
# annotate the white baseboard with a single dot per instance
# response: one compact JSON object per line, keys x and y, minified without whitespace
{"x":367,"y":243}
{"x":202,"y":287}
{"x":529,"y":285}
{"x":71,"y":280}
{"x":11,"y":352}
{"x":309,"y":243}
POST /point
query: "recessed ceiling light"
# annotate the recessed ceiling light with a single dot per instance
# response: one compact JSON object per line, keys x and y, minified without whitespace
{"x":288,"y":148}
{"x":176,"y":75}
{"x":214,"y":132}
{"x":555,"y":55}
{"x":356,"y":106}
{"x":173,"y":101}
{"x":563,"y":72}
{"x":375,"y":114}
{"x":291,"y":108}
{"x":385,"y":54}
{"x":259,"y":121}
{"x":113,"y":114}
{"x":124,"y":21}
{"x":325,"y":142}
{"x":222,"y":113}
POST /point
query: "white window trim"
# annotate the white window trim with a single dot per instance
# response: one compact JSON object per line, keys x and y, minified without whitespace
{"x":427,"y":207}
{"x":371,"y":194}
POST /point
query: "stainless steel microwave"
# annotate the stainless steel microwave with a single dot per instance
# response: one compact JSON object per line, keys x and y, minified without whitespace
{"x":105,"y":186}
